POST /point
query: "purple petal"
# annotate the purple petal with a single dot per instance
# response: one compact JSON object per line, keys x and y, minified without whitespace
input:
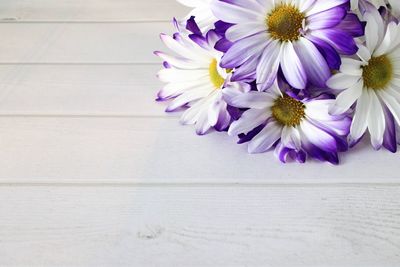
{"x":352,"y":25}
{"x":389,"y":137}
{"x":314,"y":63}
{"x":342,"y":41}
{"x":192,"y":26}
{"x":329,"y":53}
{"x":326,"y":19}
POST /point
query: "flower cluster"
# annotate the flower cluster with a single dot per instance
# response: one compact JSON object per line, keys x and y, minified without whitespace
{"x":305,"y":78}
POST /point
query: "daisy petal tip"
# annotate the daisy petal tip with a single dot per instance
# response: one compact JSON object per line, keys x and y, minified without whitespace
{"x":335,"y":160}
{"x":353,"y":141}
{"x":262,"y":87}
{"x":252,"y":150}
{"x":377,"y":145}
{"x":301,"y":160}
{"x":161,"y":96}
{"x":202,"y":132}
{"x":283,"y":160}
{"x":172,"y":108}
{"x":392,"y":149}
{"x":232,"y":132}
{"x":162,"y":36}
{"x":183,"y":122}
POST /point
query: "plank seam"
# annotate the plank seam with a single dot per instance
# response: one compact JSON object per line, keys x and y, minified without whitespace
{"x":12,"y":21}
{"x":83,"y":116}
{"x":80,"y":64}
{"x":154,"y":183}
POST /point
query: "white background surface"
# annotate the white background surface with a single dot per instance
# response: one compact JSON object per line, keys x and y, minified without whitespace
{"x":93,"y":173}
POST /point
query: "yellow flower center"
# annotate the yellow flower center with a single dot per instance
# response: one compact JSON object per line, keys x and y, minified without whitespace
{"x":215,"y":77}
{"x":288,"y":111}
{"x":378,"y":73}
{"x":285,"y":22}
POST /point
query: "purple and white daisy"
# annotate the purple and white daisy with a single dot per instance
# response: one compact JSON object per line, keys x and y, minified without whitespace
{"x":371,"y":82}
{"x":296,"y":127}
{"x":300,"y":37}
{"x":362,"y":4}
{"x":195,"y":80}
{"x":201,"y":10}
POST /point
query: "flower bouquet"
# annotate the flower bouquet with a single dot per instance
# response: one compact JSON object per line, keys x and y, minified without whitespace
{"x":305,"y":78}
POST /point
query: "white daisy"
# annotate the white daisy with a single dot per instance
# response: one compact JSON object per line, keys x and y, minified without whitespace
{"x":195,"y":79}
{"x":372,"y":82}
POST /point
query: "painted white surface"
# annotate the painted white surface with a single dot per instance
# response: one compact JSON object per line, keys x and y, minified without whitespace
{"x":58,"y":42}
{"x":150,"y":150}
{"x":89,"y":10}
{"x":128,"y":90}
{"x":199,"y":226}
{"x":93,"y":173}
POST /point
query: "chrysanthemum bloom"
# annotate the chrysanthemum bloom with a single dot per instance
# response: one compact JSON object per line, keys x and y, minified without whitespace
{"x":357,"y":4}
{"x":195,"y":80}
{"x":302,"y":37}
{"x":361,"y":4}
{"x":371,"y":81}
{"x":297,"y":127}
{"x":205,"y":19}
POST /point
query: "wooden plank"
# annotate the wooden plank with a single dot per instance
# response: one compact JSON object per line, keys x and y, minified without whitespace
{"x":90,"y":10}
{"x":178,"y":226}
{"x":159,"y":150}
{"x":127,"y":90}
{"x":81,"y":42}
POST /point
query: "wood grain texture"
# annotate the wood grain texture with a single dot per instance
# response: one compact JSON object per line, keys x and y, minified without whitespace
{"x":203,"y":226}
{"x":92,"y":173}
{"x":89,"y":10}
{"x":159,"y":150}
{"x":127,"y":90}
{"x":81,"y":42}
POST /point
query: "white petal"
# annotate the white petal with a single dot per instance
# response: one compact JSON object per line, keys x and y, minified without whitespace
{"x":268,"y":65}
{"x":258,"y":100}
{"x":360,"y":120}
{"x":187,"y":97}
{"x":342,"y":81}
{"x":177,"y":75}
{"x":199,"y":55}
{"x":376,"y":121}
{"x":249,"y":120}
{"x":323,"y":5}
{"x":291,"y":138}
{"x":363,"y":53}
{"x":240,"y":31}
{"x":346,"y":99}
{"x":318,"y":137}
{"x":319,"y":109}
{"x":389,"y":41}
{"x":235,"y":14}
{"x":392,"y":104}
{"x":266,"y":138}
{"x":202,"y":124}
{"x":351,"y":67}
{"x":374,"y":29}
{"x":292,"y":68}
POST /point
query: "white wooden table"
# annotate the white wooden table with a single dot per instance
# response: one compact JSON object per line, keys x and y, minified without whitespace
{"x":93,"y":173}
